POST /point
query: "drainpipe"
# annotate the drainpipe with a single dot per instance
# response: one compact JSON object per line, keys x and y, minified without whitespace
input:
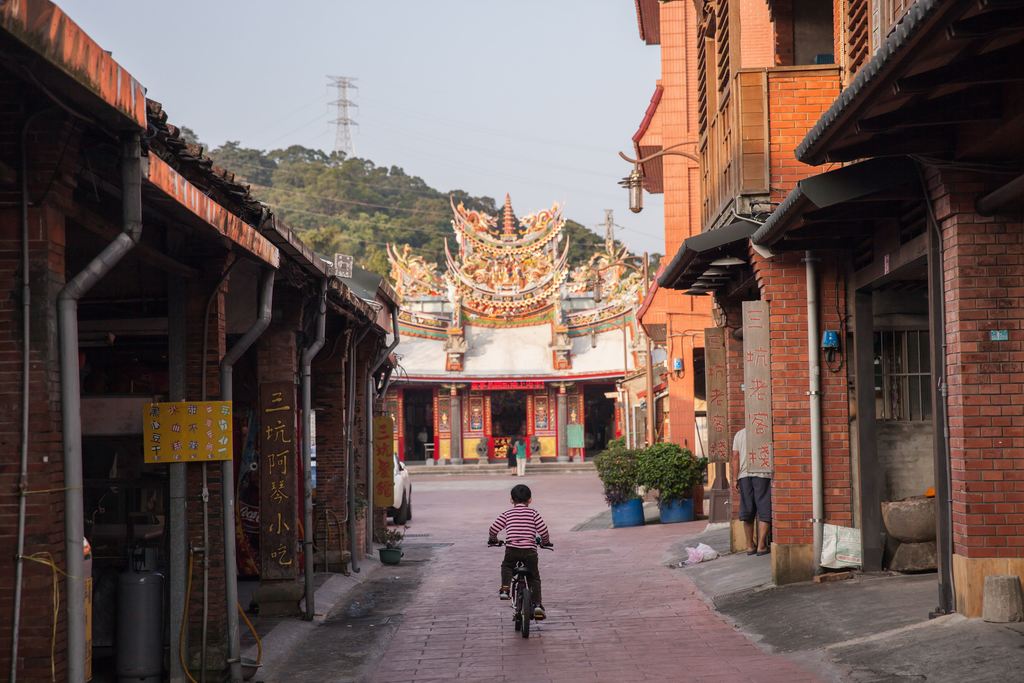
{"x":370,"y":393}
{"x":227,"y":473}
{"x":307,"y":448}
{"x":814,"y":394}
{"x":941,"y":455}
{"x":71,"y":399}
{"x":350,"y":419}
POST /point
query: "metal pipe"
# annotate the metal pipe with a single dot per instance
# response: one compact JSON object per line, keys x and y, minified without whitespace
{"x":71,"y":399}
{"x":369,"y":461}
{"x":814,"y":399}
{"x":350,"y":460}
{"x":204,"y":493}
{"x":942,"y":459}
{"x":649,"y":370}
{"x":308,"y":354}
{"x":177,"y":475}
{"x":26,"y":311}
{"x":227,"y":473}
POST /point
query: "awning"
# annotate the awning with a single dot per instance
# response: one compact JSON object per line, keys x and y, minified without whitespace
{"x":938,"y":84}
{"x":696,"y":254}
{"x":647,"y":141}
{"x":828,"y":210}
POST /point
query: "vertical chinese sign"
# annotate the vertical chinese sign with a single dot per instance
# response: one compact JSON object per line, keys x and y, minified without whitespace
{"x":383,"y":466}
{"x":277,"y":481}
{"x":187,"y":431}
{"x":757,"y":387}
{"x":719,"y":439}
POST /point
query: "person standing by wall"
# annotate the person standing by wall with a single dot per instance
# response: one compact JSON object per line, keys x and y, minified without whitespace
{"x":755,"y":497}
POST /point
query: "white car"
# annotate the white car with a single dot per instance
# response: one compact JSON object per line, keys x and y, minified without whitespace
{"x":401,"y":511}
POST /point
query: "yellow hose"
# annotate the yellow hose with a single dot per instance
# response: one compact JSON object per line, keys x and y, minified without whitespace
{"x":184,"y":620}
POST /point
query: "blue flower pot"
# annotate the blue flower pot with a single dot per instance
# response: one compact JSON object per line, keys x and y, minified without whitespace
{"x":630,"y":513}
{"x":673,"y":511}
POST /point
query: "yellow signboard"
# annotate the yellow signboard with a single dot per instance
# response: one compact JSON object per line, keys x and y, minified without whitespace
{"x":187,"y":431}
{"x":383,"y":462}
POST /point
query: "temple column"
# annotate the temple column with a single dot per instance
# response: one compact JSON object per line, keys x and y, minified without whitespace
{"x":456,"y":424}
{"x":562,"y":415}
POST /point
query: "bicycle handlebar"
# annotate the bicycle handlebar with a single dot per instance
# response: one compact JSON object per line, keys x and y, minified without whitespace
{"x":499,"y":543}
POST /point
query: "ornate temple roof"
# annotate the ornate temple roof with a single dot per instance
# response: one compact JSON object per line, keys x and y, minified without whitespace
{"x":509,"y":304}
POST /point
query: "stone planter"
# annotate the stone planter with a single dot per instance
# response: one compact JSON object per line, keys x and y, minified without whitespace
{"x":911,"y":521}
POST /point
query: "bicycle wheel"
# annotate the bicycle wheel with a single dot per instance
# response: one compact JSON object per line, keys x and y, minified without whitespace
{"x":527,"y":611}
{"x":517,"y":606}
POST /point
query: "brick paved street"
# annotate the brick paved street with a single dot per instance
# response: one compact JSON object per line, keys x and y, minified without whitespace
{"x":615,"y":613}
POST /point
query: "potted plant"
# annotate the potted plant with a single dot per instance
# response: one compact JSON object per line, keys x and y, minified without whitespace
{"x":673,"y":472}
{"x":392,"y":538}
{"x":617,"y":468}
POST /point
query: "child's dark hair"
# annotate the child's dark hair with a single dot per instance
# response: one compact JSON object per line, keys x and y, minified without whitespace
{"x":521,"y":493}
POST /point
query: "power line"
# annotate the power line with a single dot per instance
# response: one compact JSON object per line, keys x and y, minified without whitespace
{"x":344,"y":122}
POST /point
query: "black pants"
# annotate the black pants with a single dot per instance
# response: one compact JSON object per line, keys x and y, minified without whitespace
{"x":528,"y":557}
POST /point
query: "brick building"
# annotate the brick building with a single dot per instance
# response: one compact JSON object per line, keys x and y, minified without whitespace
{"x":673,"y":321}
{"x":885,"y":233}
{"x":136,"y":271}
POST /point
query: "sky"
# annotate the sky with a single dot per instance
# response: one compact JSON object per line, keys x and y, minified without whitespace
{"x":530,"y":97}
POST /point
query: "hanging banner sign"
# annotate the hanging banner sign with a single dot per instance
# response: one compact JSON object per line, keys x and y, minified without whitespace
{"x":757,"y":387}
{"x":184,"y":431}
{"x":277,"y":481}
{"x":383,"y":462}
{"x":507,"y":386}
{"x":719,"y":439}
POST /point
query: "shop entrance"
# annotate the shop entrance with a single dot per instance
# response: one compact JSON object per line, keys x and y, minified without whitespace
{"x":896,"y":429}
{"x":598,"y":417}
{"x":508,"y":418}
{"x":419,"y":424}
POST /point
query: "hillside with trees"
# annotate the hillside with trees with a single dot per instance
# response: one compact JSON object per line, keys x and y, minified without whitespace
{"x":351,"y":206}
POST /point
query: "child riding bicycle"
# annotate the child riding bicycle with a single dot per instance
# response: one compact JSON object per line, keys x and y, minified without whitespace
{"x":524,"y":530}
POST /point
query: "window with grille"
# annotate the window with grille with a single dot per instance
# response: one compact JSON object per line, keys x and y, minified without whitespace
{"x":903,"y":390}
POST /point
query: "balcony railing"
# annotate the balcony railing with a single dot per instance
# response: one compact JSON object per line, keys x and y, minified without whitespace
{"x":734,"y":149}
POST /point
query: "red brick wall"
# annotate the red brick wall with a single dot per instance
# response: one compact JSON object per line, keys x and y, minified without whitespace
{"x":983,"y":264}
{"x":198,"y":294}
{"x":44,"y":532}
{"x":677,"y":113}
{"x":329,"y":389}
{"x":783,"y":284}
{"x":796,"y":99}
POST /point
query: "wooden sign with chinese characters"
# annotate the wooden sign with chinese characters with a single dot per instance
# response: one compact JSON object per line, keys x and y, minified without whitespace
{"x":757,"y":389}
{"x":383,"y":465}
{"x":277,"y":481}
{"x":187,"y":431}
{"x":719,"y":439}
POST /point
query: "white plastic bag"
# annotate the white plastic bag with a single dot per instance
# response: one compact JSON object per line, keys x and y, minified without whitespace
{"x":840,"y":547}
{"x":702,"y":553}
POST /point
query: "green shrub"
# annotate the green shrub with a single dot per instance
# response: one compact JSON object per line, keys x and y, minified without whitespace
{"x":670,"y":470}
{"x":617,"y":468}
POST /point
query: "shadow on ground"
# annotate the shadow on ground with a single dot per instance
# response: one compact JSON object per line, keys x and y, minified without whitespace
{"x":356,"y":632}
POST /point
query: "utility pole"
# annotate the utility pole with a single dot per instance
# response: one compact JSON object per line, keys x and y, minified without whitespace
{"x":344,"y":122}
{"x":609,"y":229}
{"x":651,"y":432}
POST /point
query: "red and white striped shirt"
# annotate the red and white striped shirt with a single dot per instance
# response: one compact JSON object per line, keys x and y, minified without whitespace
{"x":522,"y":524}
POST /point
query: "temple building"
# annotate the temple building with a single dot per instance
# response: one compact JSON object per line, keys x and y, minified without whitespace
{"x":512,"y":340}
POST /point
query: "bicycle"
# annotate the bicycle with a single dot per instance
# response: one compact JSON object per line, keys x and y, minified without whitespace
{"x":519,"y":589}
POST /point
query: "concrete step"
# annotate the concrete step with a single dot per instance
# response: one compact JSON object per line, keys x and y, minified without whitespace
{"x":419,"y":470}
